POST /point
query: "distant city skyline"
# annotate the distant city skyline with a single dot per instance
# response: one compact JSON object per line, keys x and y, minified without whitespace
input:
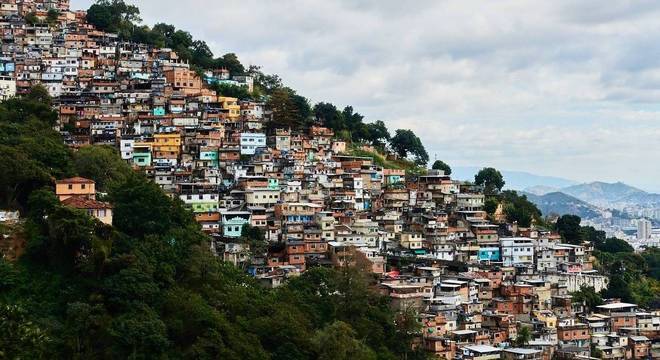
{"x":555,"y":88}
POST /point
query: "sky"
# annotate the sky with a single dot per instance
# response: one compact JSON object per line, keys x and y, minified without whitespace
{"x":561,"y":88}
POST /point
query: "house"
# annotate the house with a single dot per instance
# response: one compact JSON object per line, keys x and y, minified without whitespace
{"x":249,"y":142}
{"x":98,"y":209}
{"x":75,"y":187}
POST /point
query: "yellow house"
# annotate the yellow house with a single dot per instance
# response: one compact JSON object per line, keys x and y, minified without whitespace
{"x":98,"y":209}
{"x":80,"y":193}
{"x":75,"y":186}
{"x":231,"y":105}
{"x":547,"y":317}
{"x":167,"y":145}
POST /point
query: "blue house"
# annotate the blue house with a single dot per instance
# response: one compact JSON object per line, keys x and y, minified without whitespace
{"x":489,"y":254}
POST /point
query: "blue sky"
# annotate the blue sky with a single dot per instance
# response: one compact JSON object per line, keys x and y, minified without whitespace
{"x":561,"y":88}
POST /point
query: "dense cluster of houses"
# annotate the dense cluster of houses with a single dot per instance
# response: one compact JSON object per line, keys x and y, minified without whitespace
{"x":475,"y":281}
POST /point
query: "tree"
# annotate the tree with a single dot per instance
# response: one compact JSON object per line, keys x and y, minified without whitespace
{"x":491,"y":179}
{"x":518,"y":209}
{"x":141,"y":208}
{"x":588,"y":296}
{"x":441,"y":165}
{"x":21,"y":338}
{"x":32,"y":152}
{"x":114,"y":16}
{"x":524,"y":336}
{"x":102,"y":164}
{"x":255,"y":238}
{"x":490,"y":205}
{"x":568,"y":226}
{"x":405,"y":143}
{"x":224,"y":89}
{"x":329,"y":116}
{"x":52,"y":16}
{"x":31,"y":19}
{"x":264,"y":84}
{"x":230,"y":62}
{"x":377,"y":133}
{"x":615,"y":245}
{"x":285,"y":112}
{"x":593,"y":236}
{"x":354,"y":123}
{"x":337,"y":342}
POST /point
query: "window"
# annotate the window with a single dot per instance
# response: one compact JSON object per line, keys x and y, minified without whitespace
{"x":70,"y":186}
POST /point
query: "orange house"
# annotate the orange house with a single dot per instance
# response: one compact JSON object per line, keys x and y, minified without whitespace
{"x":76,"y":186}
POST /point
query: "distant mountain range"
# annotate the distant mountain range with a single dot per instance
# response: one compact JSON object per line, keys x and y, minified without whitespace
{"x":559,"y":203}
{"x":613,"y":195}
{"x":588,"y":200}
{"x":563,"y":196}
{"x":515,"y":180}
{"x":604,"y":194}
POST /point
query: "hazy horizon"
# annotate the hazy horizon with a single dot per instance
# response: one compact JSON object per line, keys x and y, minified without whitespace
{"x":557,"y":88}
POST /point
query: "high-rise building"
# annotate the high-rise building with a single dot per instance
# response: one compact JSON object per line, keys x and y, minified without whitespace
{"x":643,"y":229}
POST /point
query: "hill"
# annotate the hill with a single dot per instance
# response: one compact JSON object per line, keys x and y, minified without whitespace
{"x":560,"y":204}
{"x":540,"y":189}
{"x":605,"y":194}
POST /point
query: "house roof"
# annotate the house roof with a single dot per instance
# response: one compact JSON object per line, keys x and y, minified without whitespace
{"x":616,"y":306}
{"x":522,"y":351}
{"x":75,"y":180}
{"x":85,"y":203}
{"x":482,"y":348}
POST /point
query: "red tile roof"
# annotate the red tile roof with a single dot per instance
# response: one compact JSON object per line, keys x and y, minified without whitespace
{"x":75,"y":180}
{"x":79,"y":202}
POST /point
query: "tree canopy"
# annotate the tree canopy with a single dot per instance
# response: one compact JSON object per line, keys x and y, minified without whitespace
{"x":441,"y":165}
{"x":405,"y":143}
{"x":491,"y":179}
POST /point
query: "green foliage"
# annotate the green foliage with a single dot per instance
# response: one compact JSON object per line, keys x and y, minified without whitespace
{"x":377,"y":134}
{"x":568,"y":226}
{"x":381,"y":160}
{"x":114,"y":16}
{"x":329,"y":116}
{"x":32,"y":152}
{"x":524,"y":336}
{"x":441,"y":165}
{"x":264,"y":84}
{"x":20,"y":338}
{"x":230,"y":62}
{"x":615,"y":245}
{"x":51,"y":16}
{"x":141,"y":208}
{"x":255,"y":238}
{"x":588,"y":296}
{"x":31,"y":18}
{"x":518,"y":209}
{"x":239,"y":92}
{"x":337,"y":342}
{"x":405,"y":143}
{"x":631,"y":276}
{"x":491,"y":179}
{"x":102,"y":164}
{"x":290,"y":110}
{"x":652,"y":258}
